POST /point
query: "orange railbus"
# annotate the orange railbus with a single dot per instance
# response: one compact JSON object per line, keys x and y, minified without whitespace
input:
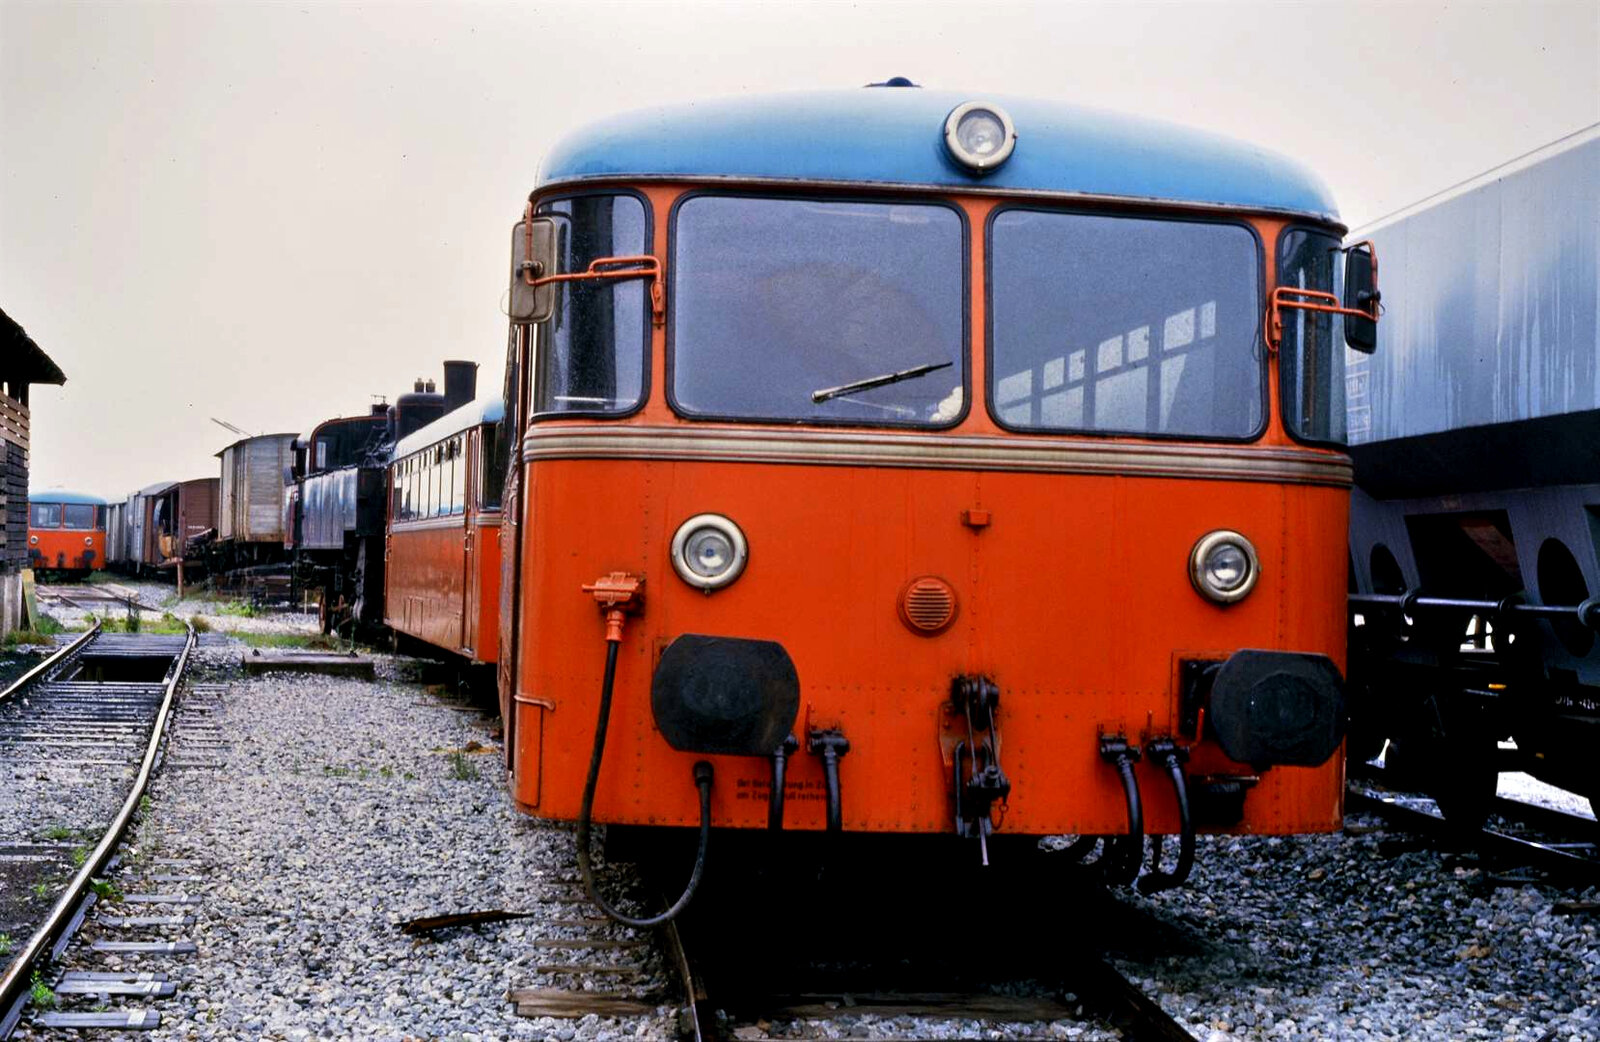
{"x":958,"y":470}
{"x":66,"y":534}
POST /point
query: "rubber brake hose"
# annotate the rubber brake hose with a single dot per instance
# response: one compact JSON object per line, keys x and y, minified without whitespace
{"x":1159,"y":878}
{"x":702,"y":781}
{"x":1124,"y":868}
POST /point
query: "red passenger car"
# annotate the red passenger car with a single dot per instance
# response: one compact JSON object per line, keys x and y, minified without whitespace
{"x":442,"y":562}
{"x":66,"y":534}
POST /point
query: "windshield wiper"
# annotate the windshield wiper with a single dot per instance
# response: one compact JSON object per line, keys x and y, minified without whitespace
{"x":870,"y":382}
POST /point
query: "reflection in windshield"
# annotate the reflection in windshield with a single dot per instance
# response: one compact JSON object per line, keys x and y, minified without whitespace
{"x":776,"y":302}
{"x":1125,"y":325}
{"x":591,"y":353}
{"x":1312,"y":351}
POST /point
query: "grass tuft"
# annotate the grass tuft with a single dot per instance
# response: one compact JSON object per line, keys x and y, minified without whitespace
{"x":461,"y":768}
{"x":39,"y":993}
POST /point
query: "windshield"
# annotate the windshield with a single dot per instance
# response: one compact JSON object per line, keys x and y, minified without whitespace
{"x":46,"y":515}
{"x":591,"y":353}
{"x":1312,"y":351}
{"x":818,"y":312}
{"x":78,"y":515}
{"x":1125,"y":325}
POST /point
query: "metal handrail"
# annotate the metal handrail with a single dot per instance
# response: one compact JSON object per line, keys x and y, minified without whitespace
{"x":17,"y":980}
{"x":50,"y":663}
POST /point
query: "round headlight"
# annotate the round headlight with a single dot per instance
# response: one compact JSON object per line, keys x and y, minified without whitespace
{"x":709,"y":551}
{"x":1223,"y":566}
{"x":88,"y":540}
{"x":33,"y":540}
{"x":979,"y":136}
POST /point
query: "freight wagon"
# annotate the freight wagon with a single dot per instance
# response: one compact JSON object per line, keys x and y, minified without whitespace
{"x":1475,"y":525}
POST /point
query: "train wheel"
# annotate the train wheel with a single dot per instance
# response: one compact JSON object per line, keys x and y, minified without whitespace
{"x":1465,"y":792}
{"x":1461,"y":775}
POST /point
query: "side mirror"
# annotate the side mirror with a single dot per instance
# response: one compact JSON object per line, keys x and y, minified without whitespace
{"x":1361,"y":299}
{"x":533,"y":257}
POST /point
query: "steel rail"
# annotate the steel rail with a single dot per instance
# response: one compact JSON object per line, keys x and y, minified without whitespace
{"x":15,"y":984}
{"x":1559,"y":863}
{"x":1139,"y":1016}
{"x":1101,"y":987}
{"x":60,"y":658}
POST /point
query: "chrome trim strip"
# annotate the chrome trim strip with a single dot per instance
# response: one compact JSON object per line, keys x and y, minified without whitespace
{"x":430,"y":524}
{"x":1282,"y":465}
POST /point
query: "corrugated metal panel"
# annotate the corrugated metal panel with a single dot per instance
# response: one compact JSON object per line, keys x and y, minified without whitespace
{"x":1491,"y":303}
{"x":251,"y":488}
{"x":114,"y":552}
{"x":327,"y":509}
{"x":138,"y":517}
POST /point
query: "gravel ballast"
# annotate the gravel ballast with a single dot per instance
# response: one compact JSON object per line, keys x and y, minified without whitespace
{"x":1369,"y":936}
{"x":341,"y":808}
{"x":340,"y":812}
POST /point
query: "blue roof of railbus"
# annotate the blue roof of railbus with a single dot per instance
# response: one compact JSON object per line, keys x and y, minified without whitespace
{"x":56,"y":495}
{"x":472,"y":414}
{"x":895,"y":136}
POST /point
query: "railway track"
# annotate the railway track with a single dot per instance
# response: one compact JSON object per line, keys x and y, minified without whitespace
{"x":742,"y":966}
{"x":84,"y":719}
{"x":1563,"y":847}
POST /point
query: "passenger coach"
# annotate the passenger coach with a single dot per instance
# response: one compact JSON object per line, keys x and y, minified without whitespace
{"x":442,"y":577}
{"x":859,"y":429}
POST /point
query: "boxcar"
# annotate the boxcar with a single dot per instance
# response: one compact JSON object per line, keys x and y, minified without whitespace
{"x":175,"y":517}
{"x":66,"y":534}
{"x":138,"y":549}
{"x":250,"y":521}
{"x":855,"y":429}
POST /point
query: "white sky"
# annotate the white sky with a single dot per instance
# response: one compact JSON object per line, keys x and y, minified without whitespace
{"x":268,"y":213}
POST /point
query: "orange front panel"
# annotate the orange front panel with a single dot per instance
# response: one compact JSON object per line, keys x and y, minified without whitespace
{"x":1074,"y":598}
{"x":64,"y":549}
{"x":424,"y":581}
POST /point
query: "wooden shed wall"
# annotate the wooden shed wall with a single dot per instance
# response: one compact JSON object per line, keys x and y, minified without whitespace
{"x":13,"y":486}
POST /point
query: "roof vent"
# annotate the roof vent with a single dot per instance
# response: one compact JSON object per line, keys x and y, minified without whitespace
{"x":895,"y":81}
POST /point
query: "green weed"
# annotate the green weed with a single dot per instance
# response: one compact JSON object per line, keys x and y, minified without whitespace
{"x":461,"y":768}
{"x":58,"y":832}
{"x":19,"y":638}
{"x":6,"y":944}
{"x":40,"y":994}
{"x":105,"y":889}
{"x":314,"y":641}
{"x":79,"y":856}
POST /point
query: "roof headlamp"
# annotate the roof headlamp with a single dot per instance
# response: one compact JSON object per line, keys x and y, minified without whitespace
{"x":980,"y":136}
